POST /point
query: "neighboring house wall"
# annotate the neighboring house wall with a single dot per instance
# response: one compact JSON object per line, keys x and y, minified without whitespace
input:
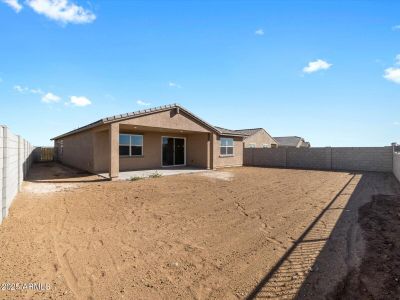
{"x":15,"y":160}
{"x":229,"y":161}
{"x":260,"y":138}
{"x":396,"y":165}
{"x":329,"y":158}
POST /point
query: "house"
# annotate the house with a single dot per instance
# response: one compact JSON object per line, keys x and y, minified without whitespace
{"x":292,"y":141}
{"x":164,"y":136}
{"x":255,"y":138}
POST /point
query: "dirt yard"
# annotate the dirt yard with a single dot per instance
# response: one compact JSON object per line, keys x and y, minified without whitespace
{"x":234,"y":233}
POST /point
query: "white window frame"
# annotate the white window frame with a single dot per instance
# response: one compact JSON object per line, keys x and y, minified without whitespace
{"x":265,"y":146}
{"x":252,"y":145}
{"x":233,"y":147}
{"x":130,"y":144}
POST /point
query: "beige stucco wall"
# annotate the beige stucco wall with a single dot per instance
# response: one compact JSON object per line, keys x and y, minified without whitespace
{"x":196,"y":151}
{"x":228,"y":161}
{"x":101,"y":151}
{"x":78,"y":151}
{"x":259,"y":138}
{"x":167,"y":120}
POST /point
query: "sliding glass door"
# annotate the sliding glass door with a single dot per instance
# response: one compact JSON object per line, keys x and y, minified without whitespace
{"x":173,"y":151}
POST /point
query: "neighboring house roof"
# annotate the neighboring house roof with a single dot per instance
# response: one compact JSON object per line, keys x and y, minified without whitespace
{"x":244,"y":132}
{"x":140,"y":113}
{"x":250,"y":131}
{"x":229,"y":131}
{"x":291,"y":141}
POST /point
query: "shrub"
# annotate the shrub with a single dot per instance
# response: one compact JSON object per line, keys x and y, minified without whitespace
{"x":155,"y":175}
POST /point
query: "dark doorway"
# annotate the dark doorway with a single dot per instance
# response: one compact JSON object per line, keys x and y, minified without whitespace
{"x":173,"y":151}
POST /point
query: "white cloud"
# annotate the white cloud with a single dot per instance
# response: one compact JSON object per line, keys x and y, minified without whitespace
{"x":20,"y":89}
{"x":259,"y":32}
{"x":36,"y":91}
{"x":50,"y":98}
{"x":398,"y":59}
{"x":62,"y":11}
{"x":79,"y":101}
{"x":397,"y":27}
{"x":25,"y":90}
{"x":141,"y":102}
{"x":392,"y":74}
{"x":14,"y":4}
{"x":396,"y":123}
{"x":317,"y":65}
{"x":174,"y":85}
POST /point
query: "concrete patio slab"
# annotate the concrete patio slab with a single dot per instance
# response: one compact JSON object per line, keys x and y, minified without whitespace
{"x":162,"y":171}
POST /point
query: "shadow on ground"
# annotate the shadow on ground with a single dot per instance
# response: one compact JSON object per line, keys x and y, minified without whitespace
{"x":318,"y":262}
{"x":53,"y":172}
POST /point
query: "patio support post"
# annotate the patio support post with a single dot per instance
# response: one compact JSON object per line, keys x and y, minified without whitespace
{"x":214,"y":151}
{"x":209,"y":151}
{"x":114,"y":150}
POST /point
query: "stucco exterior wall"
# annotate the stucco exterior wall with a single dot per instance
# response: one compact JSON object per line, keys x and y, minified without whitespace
{"x":229,"y":161}
{"x":167,"y":120}
{"x":196,"y":151}
{"x":77,"y":150}
{"x":101,"y":151}
{"x":259,"y":139}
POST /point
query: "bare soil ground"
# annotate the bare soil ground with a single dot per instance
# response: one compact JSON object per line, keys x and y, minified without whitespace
{"x":187,"y":236}
{"x":378,"y":276}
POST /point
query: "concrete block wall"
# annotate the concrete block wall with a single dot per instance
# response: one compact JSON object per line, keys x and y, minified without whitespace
{"x":328,"y":158}
{"x":309,"y":158}
{"x":264,"y":157}
{"x":396,"y":165}
{"x":363,"y":159}
{"x":15,"y":160}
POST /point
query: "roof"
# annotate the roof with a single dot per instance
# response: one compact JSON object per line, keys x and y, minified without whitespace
{"x":228,"y":131}
{"x":288,"y":141}
{"x":140,"y":113}
{"x":245,"y":132}
{"x":249,"y":131}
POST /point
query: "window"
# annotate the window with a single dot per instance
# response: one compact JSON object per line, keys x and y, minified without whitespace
{"x":130,"y":145}
{"x":265,"y":146}
{"x":274,"y":146}
{"x":226,"y":146}
{"x":252,"y":145}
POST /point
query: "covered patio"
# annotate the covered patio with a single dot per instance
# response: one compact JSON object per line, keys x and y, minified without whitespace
{"x":154,"y":139}
{"x":129,"y":175}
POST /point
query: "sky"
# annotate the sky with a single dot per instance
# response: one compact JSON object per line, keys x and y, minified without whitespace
{"x":328,"y":71}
